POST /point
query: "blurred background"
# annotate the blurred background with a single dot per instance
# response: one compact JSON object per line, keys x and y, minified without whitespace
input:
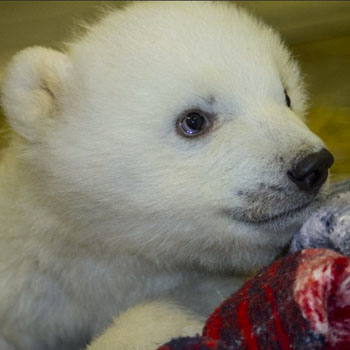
{"x":318,"y":32}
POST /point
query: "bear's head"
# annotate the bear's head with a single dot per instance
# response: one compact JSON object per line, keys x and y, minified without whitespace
{"x":171,"y":130}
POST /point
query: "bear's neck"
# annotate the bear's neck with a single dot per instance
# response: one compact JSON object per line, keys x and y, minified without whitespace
{"x":27,"y":216}
{"x":21,"y":212}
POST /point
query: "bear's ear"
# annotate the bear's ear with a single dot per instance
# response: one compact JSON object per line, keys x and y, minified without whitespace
{"x":31,"y":88}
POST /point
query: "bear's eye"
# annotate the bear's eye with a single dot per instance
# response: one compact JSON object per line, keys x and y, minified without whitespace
{"x":288,"y":101}
{"x":193,"y":123}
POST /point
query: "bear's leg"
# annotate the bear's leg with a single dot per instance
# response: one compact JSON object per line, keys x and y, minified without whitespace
{"x":148,"y":326}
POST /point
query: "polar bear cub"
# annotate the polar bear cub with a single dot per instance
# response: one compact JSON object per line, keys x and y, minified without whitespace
{"x":159,"y":157}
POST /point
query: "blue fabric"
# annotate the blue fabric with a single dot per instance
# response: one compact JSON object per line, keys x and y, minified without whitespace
{"x":328,"y":227}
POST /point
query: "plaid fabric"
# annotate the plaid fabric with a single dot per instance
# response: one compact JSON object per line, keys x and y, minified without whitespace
{"x":300,"y":302}
{"x":195,"y":343}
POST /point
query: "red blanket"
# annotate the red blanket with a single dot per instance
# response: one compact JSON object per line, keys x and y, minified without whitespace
{"x":300,"y":302}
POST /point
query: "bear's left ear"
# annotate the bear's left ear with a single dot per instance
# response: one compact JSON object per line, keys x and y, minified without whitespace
{"x":32,"y":85}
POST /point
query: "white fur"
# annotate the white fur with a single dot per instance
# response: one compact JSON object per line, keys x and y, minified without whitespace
{"x":148,"y":326}
{"x":103,"y":205}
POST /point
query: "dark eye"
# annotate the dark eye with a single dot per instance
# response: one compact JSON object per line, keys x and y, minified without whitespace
{"x":288,"y":102}
{"x":193,"y":123}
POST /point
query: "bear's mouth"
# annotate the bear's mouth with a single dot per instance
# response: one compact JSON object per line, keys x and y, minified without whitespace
{"x":254,"y":217}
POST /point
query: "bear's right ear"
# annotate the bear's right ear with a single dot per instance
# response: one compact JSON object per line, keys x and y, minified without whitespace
{"x":31,"y":87}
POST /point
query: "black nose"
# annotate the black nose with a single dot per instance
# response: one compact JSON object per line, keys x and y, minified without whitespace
{"x":310,"y":173}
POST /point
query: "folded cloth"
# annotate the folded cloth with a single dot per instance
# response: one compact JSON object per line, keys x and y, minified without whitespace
{"x":300,"y":302}
{"x":329,"y":227}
